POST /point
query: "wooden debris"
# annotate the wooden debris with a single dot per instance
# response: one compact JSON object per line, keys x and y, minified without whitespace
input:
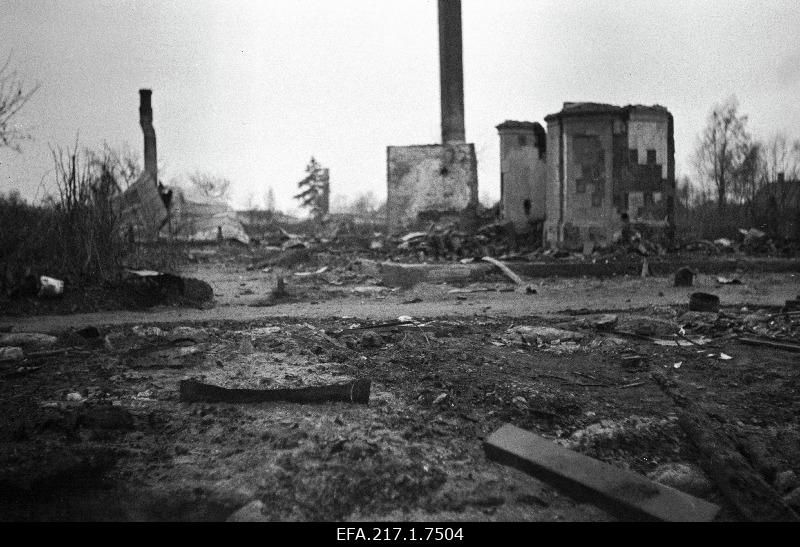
{"x":735,"y":477}
{"x":357,"y":391}
{"x":774,"y":344}
{"x":505,"y":269}
{"x":627,"y":494}
{"x":375,"y":326}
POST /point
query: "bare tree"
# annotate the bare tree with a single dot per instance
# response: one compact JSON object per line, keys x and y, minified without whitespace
{"x":13,"y":96}
{"x":122,"y":164}
{"x":747,"y":177}
{"x":684,"y":192}
{"x":779,"y":170}
{"x":340,"y":204}
{"x":364,"y":204}
{"x":722,"y":148}
{"x":211,"y":185}
{"x":781,"y":156}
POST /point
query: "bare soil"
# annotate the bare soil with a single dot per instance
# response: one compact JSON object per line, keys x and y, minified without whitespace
{"x":98,"y":432}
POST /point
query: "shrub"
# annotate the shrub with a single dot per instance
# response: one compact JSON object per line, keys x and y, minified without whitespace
{"x":72,"y":235}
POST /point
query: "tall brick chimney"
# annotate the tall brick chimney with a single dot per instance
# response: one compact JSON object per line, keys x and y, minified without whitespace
{"x":451,"y":71}
{"x":146,"y":121}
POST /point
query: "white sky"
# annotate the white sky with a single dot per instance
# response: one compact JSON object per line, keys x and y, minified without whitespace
{"x":250,"y":90}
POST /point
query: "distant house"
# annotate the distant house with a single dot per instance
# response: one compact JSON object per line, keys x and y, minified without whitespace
{"x":194,"y":217}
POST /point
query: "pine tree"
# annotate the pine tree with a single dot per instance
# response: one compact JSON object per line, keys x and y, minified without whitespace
{"x":315,"y":189}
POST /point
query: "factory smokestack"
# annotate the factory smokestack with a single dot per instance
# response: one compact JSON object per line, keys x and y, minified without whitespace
{"x":146,"y":121}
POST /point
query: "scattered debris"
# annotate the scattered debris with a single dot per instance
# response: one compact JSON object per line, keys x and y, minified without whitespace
{"x":11,"y":353}
{"x":700,"y":301}
{"x":684,"y":277}
{"x":607,"y":322}
{"x":192,"y":391}
{"x":147,"y":331}
{"x":742,"y":485}
{"x":246,"y":346}
{"x":280,"y":288}
{"x":683,"y":341}
{"x":724,"y":244}
{"x":631,"y":361}
{"x":536,"y":335}
{"x":520,"y":402}
{"x":646,"y":271}
{"x":308,"y":274}
{"x":756,"y":241}
{"x":684,"y":477}
{"x":50,"y":287}
{"x":27,"y":339}
{"x":786,"y":481}
{"x":252,"y":512}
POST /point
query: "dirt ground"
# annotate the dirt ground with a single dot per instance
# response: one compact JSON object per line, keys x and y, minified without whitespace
{"x":96,"y":431}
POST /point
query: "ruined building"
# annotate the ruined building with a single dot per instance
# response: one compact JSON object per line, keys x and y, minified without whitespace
{"x":427,"y":182}
{"x":141,"y":208}
{"x":604,"y":165}
{"x":523,"y":165}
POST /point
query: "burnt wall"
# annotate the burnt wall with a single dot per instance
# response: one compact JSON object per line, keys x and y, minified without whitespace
{"x":428,"y":180}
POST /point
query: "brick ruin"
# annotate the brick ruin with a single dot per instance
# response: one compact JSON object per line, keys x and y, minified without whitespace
{"x":599,"y":167}
{"x":429,"y":182}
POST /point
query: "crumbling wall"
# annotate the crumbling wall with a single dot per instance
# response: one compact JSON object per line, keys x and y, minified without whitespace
{"x":523,"y":175}
{"x":428,"y":179}
{"x":554,"y":198}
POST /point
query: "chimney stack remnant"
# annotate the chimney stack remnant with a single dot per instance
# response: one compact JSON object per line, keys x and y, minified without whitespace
{"x":451,"y":72}
{"x":146,"y":121}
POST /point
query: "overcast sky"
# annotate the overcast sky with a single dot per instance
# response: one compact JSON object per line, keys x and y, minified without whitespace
{"x":250,"y":90}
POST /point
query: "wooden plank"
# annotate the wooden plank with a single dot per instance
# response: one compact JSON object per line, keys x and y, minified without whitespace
{"x":774,"y":344}
{"x":505,"y":269}
{"x":621,"y":492}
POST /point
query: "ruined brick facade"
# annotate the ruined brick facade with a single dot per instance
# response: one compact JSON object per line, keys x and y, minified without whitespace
{"x":602,"y":162}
